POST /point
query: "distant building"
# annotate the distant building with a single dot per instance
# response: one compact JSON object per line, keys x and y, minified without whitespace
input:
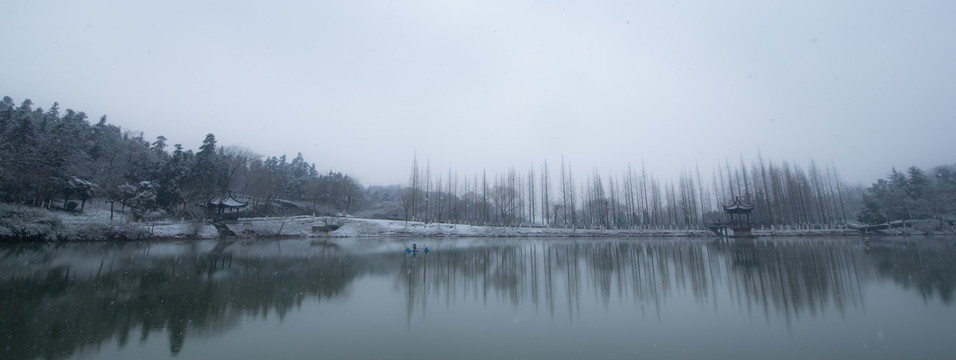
{"x":228,"y":202}
{"x":735,"y":212}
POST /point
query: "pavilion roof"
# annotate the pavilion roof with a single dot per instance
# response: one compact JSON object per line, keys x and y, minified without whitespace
{"x":738,"y":206}
{"x":227,"y":201}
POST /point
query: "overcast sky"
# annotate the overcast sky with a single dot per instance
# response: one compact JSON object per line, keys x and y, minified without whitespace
{"x":361,"y":86}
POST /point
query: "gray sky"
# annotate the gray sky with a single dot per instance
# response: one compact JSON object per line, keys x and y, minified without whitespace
{"x":360,"y":86}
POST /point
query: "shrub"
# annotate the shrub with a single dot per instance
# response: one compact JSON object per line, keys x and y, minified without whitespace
{"x":20,"y":223}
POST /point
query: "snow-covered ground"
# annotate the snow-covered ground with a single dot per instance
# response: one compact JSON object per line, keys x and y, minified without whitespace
{"x":372,"y":227}
{"x":96,"y":217}
{"x":308,"y":226}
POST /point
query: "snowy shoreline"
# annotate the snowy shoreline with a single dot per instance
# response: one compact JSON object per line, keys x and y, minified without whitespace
{"x":315,"y":227}
{"x":97,"y":225}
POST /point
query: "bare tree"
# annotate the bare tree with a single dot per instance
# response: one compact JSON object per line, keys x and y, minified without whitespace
{"x":564,"y":191}
{"x":408,"y":201}
{"x":236,"y":159}
{"x":428,"y":184}
{"x":704,"y":206}
{"x":614,"y":205}
{"x":545,"y":194}
{"x":411,"y":198}
{"x":766,"y":188}
{"x":644,"y":213}
{"x":571,"y":197}
{"x":531,"y":195}
{"x":440,"y":202}
{"x":630,"y":203}
{"x":484,"y":198}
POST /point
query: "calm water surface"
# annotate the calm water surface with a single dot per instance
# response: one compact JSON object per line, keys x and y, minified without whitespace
{"x":794,"y":298}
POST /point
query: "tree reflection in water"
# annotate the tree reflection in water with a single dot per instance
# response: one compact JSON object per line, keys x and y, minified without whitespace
{"x":788,"y":278}
{"x":61,"y":300}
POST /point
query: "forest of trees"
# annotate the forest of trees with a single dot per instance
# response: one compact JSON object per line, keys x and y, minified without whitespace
{"x":913,"y":194}
{"x":783,"y":194}
{"x":58,"y":159}
{"x":50,"y":158}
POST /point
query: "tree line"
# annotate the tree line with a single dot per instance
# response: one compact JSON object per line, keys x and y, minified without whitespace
{"x":52,"y":158}
{"x":911,"y":194}
{"x":783,"y":194}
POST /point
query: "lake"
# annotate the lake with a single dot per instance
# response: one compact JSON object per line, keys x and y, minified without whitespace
{"x":658,"y":298}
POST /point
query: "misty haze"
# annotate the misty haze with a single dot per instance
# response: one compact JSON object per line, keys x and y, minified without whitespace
{"x":415,"y":179}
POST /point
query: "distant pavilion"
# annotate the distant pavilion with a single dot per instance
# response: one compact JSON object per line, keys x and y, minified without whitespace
{"x":228,"y":202}
{"x":736,"y":212}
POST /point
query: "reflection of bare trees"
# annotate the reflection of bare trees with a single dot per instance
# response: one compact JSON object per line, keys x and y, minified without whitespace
{"x":554,"y":276}
{"x":559,"y":276}
{"x":59,"y":300}
{"x":795,"y":277}
{"x":788,"y":278}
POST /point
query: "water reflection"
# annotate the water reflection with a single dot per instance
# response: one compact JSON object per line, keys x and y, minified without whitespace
{"x":927,"y":266}
{"x":790,"y":277}
{"x":61,"y":300}
{"x":795,"y":278}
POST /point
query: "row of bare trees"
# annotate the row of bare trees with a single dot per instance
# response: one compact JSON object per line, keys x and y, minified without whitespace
{"x":783,"y":194}
{"x":49,"y":155}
